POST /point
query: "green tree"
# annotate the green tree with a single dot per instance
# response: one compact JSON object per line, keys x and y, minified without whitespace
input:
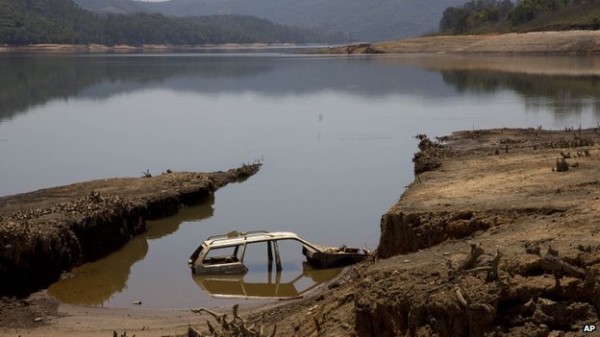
{"x":62,"y":21}
{"x":473,"y":14}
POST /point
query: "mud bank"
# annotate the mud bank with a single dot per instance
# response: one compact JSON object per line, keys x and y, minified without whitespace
{"x":502,"y":227}
{"x":46,"y":232}
{"x":497,"y":236}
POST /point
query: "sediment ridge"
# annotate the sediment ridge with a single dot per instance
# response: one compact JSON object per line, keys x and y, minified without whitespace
{"x":49,"y":231}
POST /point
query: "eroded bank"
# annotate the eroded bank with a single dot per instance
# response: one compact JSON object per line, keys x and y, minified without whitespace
{"x":46,"y":232}
{"x":496,"y":236}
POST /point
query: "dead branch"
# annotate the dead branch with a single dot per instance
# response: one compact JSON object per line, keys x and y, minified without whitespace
{"x":557,"y":265}
{"x":466,"y":267}
{"x":492,"y":274}
{"x":210,"y":327}
{"x":461,"y":298}
{"x":469,"y":262}
{"x":476,"y":270}
{"x":317,"y":324}
{"x":193,"y":332}
{"x":534,"y":309}
{"x":472,"y":306}
{"x":217,"y":316}
{"x":237,"y":326}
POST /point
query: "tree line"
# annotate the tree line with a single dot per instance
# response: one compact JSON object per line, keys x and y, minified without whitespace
{"x":479,"y":13}
{"x":62,"y":21}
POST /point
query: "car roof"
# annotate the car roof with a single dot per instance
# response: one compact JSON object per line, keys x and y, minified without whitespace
{"x":239,"y":238}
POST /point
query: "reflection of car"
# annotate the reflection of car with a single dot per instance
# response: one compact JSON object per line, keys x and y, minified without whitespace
{"x":272,"y":287}
{"x":224,"y":254}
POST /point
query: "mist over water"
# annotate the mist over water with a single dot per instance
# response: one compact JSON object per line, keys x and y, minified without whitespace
{"x":335,"y":134}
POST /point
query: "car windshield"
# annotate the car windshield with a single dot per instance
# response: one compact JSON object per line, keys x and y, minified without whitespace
{"x":222,"y":255}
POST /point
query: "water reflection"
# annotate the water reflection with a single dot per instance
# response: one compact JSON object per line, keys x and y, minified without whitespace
{"x":32,"y":80}
{"x":272,"y":286}
{"x":157,"y":274}
{"x":559,"y":94}
{"x":95,"y":283}
{"x":335,"y":133}
{"x":563,"y":85}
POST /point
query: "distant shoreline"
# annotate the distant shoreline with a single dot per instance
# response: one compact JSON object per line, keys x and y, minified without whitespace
{"x":78,"y":48}
{"x":52,"y":48}
{"x":576,"y":42}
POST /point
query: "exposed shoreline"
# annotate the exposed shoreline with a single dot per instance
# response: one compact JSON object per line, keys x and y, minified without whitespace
{"x":498,"y":189}
{"x":546,"y":43}
{"x":92,"y":48}
{"x":479,"y":196}
{"x":573,"y":42}
{"x":46,"y":232}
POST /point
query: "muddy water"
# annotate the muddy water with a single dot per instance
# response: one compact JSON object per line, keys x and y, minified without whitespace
{"x":336,"y":136}
{"x":154,"y":260}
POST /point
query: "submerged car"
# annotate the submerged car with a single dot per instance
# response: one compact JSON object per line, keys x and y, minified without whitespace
{"x":224,"y":254}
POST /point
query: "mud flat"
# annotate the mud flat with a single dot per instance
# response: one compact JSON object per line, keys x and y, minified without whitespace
{"x":497,"y":236}
{"x":46,"y":232}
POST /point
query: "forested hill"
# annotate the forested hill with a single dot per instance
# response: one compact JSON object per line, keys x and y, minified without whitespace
{"x":63,"y":21}
{"x":357,"y":20}
{"x":502,"y":16}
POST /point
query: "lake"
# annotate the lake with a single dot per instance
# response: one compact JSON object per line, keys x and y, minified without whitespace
{"x":335,"y":135}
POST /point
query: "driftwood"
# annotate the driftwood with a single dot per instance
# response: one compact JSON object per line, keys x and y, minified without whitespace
{"x":317,"y":324}
{"x":492,"y":274}
{"x":467,"y":266}
{"x":236,"y":327}
{"x":558,"y":266}
{"x":472,"y":306}
{"x":534,"y":311}
{"x":193,"y":332}
{"x":469,"y":262}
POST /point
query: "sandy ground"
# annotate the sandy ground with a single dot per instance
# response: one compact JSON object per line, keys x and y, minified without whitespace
{"x":41,"y":316}
{"x":516,"y":64}
{"x":562,"y":42}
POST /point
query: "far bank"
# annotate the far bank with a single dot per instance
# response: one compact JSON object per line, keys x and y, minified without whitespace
{"x":577,"y":42}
